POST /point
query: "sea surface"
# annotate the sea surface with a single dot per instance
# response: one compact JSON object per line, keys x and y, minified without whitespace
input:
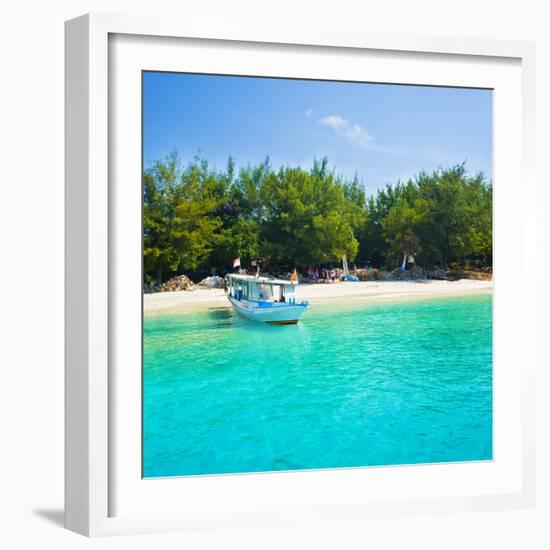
{"x":353,"y":384}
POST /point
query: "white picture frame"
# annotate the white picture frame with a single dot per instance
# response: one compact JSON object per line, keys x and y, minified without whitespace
{"x":92,"y":427}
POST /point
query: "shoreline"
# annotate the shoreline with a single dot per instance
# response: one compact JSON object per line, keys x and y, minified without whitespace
{"x":185,"y":301}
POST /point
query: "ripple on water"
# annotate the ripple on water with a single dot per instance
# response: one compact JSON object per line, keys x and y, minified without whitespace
{"x":349,"y":386}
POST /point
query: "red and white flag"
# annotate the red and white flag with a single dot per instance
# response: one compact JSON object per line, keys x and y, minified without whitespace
{"x":237,"y":262}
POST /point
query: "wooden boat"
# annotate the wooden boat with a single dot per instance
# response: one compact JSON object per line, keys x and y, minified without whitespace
{"x":265,"y":300}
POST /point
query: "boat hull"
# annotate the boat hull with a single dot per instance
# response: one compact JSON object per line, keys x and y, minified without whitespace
{"x":274,"y":315}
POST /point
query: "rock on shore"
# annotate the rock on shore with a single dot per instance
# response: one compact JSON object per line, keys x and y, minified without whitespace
{"x":212,"y":282}
{"x":416,"y":272}
{"x":181,"y":282}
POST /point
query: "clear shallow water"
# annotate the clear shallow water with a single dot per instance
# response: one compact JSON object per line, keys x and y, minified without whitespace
{"x":351,"y":385}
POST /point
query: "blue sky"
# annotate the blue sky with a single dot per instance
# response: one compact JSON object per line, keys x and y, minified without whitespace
{"x":382,"y":132}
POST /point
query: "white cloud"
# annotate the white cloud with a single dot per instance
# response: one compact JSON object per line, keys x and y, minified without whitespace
{"x":350,"y":130}
{"x":308,"y":113}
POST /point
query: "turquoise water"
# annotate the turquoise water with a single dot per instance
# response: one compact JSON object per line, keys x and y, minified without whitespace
{"x":351,"y":385}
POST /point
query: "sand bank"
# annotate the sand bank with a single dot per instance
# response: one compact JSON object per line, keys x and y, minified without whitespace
{"x":182,"y":301}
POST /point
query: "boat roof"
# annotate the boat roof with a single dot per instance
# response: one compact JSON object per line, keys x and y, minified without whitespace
{"x":262,"y":280}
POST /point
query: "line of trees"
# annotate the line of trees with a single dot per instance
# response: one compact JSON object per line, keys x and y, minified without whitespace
{"x":198,"y":218}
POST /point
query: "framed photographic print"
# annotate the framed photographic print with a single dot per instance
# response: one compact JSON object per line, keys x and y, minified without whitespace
{"x":289,"y":293}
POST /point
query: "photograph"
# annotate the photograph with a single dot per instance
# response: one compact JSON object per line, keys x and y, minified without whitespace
{"x":317,"y":274}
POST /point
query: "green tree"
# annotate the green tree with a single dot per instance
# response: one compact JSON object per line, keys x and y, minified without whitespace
{"x":195,"y":217}
{"x":403,"y":226}
{"x":180,"y":221}
{"x":306,"y":218}
{"x":373,"y":246}
{"x":159,"y":186}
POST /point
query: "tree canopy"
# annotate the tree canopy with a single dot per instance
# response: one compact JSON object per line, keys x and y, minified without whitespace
{"x":196,"y":217}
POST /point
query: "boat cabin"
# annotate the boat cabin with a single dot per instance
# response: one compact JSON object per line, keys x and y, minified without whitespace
{"x":261,"y":289}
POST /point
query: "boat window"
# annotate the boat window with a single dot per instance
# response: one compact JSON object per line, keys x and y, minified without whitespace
{"x":264,"y":292}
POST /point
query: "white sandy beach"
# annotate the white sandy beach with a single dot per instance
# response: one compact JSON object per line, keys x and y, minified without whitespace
{"x":182,"y":301}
